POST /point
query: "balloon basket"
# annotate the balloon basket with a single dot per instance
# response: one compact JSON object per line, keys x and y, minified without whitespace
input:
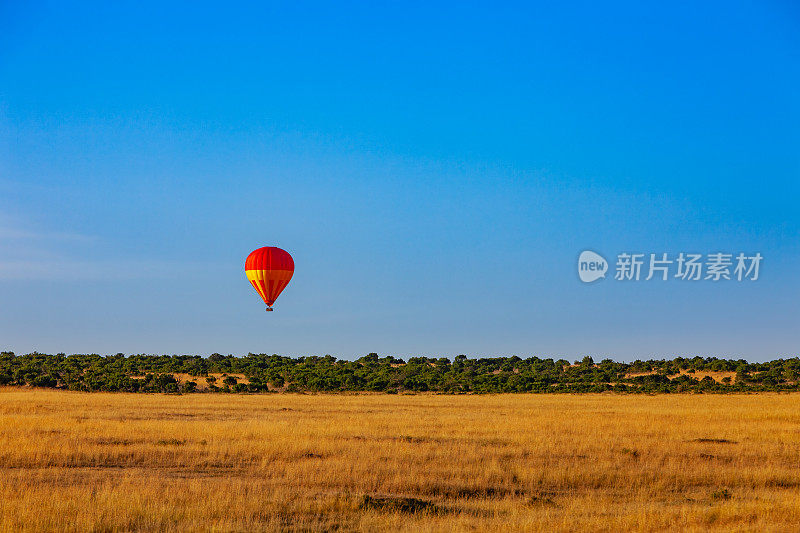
{"x":269,"y":309}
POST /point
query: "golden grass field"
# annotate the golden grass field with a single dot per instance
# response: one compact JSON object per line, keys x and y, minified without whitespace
{"x":121,"y":462}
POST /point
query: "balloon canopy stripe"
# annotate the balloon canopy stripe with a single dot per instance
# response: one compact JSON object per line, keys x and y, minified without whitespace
{"x":283,"y":275}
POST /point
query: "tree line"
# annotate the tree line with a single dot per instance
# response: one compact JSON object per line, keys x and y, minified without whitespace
{"x":270,"y":373}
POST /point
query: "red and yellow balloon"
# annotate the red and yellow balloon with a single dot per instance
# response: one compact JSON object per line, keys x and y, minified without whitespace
{"x":269,"y":270}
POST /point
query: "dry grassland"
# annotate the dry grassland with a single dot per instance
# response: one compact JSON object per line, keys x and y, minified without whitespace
{"x":119,"y":462}
{"x":700,"y":374}
{"x":202,"y":384}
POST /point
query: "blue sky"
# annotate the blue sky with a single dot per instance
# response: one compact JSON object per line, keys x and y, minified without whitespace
{"x":434,"y":170}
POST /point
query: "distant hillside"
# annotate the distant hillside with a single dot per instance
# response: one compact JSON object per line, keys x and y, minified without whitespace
{"x":274,"y":373}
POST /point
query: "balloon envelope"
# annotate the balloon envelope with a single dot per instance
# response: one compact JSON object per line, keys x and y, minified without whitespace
{"x":269,"y":270}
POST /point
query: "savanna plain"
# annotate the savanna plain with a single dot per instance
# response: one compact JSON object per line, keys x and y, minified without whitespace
{"x":275,"y":462}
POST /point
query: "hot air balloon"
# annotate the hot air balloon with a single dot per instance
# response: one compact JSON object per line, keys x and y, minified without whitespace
{"x":269,"y":269}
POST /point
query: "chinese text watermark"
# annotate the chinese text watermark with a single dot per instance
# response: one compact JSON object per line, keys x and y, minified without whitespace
{"x":717,"y":266}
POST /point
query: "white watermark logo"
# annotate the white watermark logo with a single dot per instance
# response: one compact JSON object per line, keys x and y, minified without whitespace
{"x":717,"y":266}
{"x":591,"y":266}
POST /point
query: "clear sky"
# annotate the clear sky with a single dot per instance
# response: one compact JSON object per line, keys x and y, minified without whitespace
{"x":434,"y":170}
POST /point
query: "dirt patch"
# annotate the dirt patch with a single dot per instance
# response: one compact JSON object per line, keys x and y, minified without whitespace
{"x":311,"y":455}
{"x":408,"y":438}
{"x":112,"y":442}
{"x":540,"y":500}
{"x":487,"y":492}
{"x":470,"y":493}
{"x":171,"y":442}
{"x":722,"y":494}
{"x":712,"y":457}
{"x":395,"y":504}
